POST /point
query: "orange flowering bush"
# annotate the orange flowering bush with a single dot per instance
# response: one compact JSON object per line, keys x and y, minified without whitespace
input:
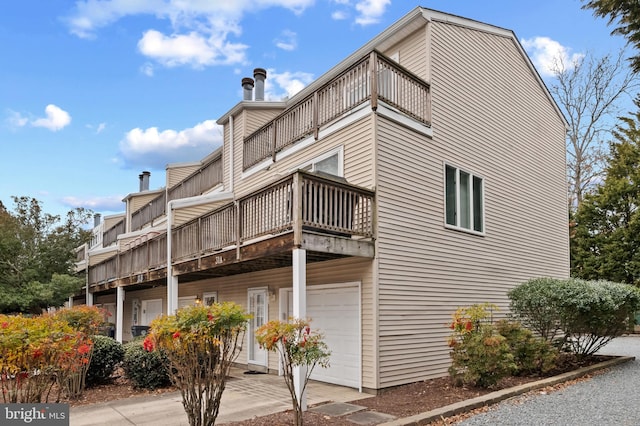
{"x":480,"y":355}
{"x":201,"y":342}
{"x":297,"y":346}
{"x":34,"y":352}
{"x":86,"y":321}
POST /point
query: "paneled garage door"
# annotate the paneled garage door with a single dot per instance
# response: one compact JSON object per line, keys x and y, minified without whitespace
{"x":335,"y":311}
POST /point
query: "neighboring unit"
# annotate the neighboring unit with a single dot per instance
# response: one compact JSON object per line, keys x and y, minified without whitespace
{"x":423,"y":173}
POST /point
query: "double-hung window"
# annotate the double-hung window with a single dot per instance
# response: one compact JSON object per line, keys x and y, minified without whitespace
{"x":464,"y":199}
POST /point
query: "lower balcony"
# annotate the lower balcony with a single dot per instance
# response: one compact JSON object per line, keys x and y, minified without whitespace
{"x":324,"y":215}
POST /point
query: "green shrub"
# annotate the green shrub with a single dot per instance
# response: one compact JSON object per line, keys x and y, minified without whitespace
{"x":482,"y":358}
{"x":146,"y":369}
{"x":532,"y":355}
{"x":479,"y":355}
{"x":586,"y":315}
{"x":107,"y":354}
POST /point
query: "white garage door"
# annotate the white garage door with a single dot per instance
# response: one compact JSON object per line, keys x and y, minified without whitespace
{"x":335,"y":311}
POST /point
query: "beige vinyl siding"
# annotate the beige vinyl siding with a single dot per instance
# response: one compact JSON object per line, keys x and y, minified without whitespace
{"x":177,"y":173}
{"x":94,"y":259}
{"x":491,"y":118}
{"x":413,"y":53}
{"x":234,"y":288}
{"x":149,"y":294}
{"x":109,"y":221}
{"x":138,"y":201}
{"x":358,"y":157}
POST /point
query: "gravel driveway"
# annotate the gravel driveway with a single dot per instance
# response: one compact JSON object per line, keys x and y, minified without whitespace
{"x":612,"y":398}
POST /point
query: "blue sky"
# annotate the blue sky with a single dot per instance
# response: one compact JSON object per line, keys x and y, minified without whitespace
{"x":92,"y":92}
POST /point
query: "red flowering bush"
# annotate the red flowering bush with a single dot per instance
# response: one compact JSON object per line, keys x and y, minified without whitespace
{"x":480,"y":355}
{"x":296,"y":346}
{"x":201,"y":342}
{"x":34,"y":353}
{"x":74,"y":364}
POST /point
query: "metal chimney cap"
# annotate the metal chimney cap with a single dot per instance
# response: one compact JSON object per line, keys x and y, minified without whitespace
{"x":247,"y":80}
{"x":259,"y":72}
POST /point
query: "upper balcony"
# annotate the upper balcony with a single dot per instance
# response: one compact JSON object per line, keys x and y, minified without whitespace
{"x":208,"y":176}
{"x":374,"y":78}
{"x":324,"y":215}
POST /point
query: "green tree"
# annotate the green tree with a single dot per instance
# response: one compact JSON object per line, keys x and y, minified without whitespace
{"x":37,"y":252}
{"x":606,"y":240}
{"x":625,"y":15}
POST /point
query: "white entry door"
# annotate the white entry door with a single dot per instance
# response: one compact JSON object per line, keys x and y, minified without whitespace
{"x":151,"y":309}
{"x":334,"y":310}
{"x":259,"y":309}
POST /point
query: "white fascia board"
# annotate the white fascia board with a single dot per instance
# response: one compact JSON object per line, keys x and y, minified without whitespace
{"x":181,"y":203}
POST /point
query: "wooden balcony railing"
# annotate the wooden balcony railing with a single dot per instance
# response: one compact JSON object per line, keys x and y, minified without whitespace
{"x":110,"y":236}
{"x":203,"y":179}
{"x":300,"y":201}
{"x":373,"y":78}
{"x":147,"y":213}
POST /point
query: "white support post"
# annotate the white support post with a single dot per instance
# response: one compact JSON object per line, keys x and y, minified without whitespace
{"x":119,"y":312}
{"x":70,"y":301}
{"x":172,"y":295}
{"x":300,"y":311}
{"x":89,"y":300}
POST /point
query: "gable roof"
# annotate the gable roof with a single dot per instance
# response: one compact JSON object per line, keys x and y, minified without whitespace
{"x":406,"y":25}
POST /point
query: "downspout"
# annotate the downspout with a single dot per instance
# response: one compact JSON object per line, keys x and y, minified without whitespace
{"x":231,"y":156}
{"x":172,"y":282}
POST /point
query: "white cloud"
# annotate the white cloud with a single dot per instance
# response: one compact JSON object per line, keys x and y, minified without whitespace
{"x":201,"y":29}
{"x":339,"y":15}
{"x":190,"y":49}
{"x":370,"y":11}
{"x":147,"y":69}
{"x":56,"y":119}
{"x":152,"y":148}
{"x":15,"y":119}
{"x":98,"y":129}
{"x":287,"y":40}
{"x":547,"y":55}
{"x":108,"y":203}
{"x":289,"y":82}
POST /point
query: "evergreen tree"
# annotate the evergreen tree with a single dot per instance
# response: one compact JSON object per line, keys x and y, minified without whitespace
{"x":606,"y":239}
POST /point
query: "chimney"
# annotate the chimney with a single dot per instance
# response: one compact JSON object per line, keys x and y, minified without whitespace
{"x":96,"y":219}
{"x":247,"y":85}
{"x":144,"y":181}
{"x":260,"y":74}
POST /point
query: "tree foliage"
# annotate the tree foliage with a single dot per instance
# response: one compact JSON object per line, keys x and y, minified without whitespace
{"x":296,"y":346}
{"x":605,"y":242}
{"x":37,"y":252}
{"x":588,"y":91}
{"x":201,"y":343}
{"x":625,"y":15}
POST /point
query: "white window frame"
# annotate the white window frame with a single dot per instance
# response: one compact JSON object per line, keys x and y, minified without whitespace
{"x":339,"y":151}
{"x":457,"y":225}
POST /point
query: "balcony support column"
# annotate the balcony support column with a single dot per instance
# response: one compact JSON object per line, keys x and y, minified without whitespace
{"x":119,"y":312}
{"x":300,"y":311}
{"x":70,"y":301}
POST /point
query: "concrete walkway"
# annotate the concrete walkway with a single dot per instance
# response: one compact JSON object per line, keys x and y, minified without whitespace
{"x":245,"y":396}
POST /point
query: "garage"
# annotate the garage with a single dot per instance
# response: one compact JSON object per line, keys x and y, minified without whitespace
{"x":335,"y":311}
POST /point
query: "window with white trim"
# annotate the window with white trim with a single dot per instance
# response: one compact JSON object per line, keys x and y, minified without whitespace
{"x":464,"y":199}
{"x":330,"y":163}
